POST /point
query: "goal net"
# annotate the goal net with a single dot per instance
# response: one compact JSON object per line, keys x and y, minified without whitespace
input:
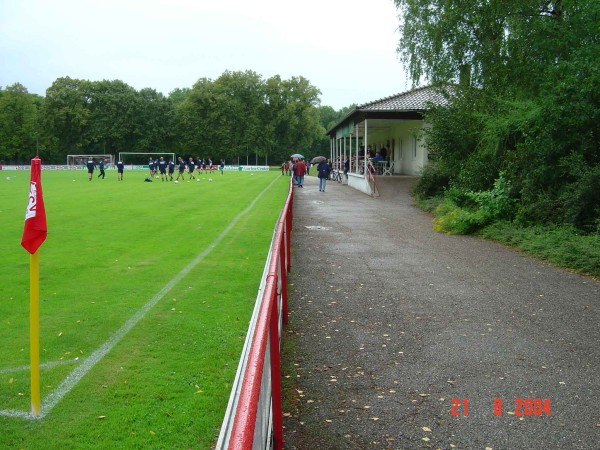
{"x":81,"y":160}
{"x":141,"y":158}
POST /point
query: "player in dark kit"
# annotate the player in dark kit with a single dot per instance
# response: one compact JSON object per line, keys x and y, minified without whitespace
{"x":171,"y":166}
{"x":162,"y":168}
{"x":101,"y":167}
{"x":191,"y":167}
{"x":151,"y":167}
{"x":120,"y":168}
{"x":181,"y":163}
{"x":91,"y":165}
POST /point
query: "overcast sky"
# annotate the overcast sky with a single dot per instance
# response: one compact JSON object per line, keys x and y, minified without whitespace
{"x":346,"y":48}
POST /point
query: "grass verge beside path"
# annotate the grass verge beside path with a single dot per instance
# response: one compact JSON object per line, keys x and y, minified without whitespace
{"x":562,"y":246}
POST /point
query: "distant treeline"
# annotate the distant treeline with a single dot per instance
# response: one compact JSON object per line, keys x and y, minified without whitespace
{"x":236,"y":115}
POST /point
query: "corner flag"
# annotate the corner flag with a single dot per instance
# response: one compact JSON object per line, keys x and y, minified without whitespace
{"x":35,"y":231}
{"x":34,"y":235}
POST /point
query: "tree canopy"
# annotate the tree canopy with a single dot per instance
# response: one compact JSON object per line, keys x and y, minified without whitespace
{"x":528,"y":105}
{"x":237,"y":114}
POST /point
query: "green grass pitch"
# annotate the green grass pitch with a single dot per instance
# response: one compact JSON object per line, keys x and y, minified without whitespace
{"x":111,"y":247}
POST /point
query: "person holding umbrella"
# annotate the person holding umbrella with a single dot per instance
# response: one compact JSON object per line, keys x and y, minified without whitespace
{"x":323,"y":171}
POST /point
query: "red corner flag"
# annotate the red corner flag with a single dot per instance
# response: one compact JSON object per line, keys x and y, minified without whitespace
{"x":35,"y":231}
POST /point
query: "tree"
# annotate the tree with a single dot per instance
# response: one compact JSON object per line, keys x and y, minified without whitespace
{"x":155,"y":121}
{"x":292,"y":118}
{"x":529,"y":105}
{"x":66,"y":114}
{"x":114,"y":109}
{"x":18,"y":124}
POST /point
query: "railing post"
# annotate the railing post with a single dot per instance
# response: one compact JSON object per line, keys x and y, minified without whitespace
{"x":274,"y":346}
{"x":283,"y":282}
{"x":288,"y":234}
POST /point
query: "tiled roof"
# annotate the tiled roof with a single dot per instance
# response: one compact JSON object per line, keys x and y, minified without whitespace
{"x":413,"y":100}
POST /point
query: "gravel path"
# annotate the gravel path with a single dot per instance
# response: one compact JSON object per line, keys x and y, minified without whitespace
{"x":390,"y":321}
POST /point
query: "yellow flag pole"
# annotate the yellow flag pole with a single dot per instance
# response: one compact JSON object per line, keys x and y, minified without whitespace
{"x":34,"y":331}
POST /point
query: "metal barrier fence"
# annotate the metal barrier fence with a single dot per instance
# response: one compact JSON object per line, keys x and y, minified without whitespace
{"x":254,"y":419}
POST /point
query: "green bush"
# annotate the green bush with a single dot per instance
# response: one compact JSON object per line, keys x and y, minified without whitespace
{"x":435,"y":178}
{"x":464,"y":212}
{"x":452,"y":219}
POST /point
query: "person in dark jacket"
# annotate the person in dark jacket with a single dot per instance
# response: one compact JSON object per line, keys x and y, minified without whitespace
{"x":91,"y":165}
{"x":101,"y":167}
{"x":323,"y":170}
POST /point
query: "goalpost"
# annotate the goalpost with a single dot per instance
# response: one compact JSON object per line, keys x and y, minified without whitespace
{"x":81,"y":160}
{"x":141,"y":158}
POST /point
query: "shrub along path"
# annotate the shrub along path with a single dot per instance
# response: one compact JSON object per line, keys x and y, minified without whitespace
{"x":390,"y":321}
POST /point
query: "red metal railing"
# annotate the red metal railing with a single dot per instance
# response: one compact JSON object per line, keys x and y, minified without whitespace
{"x":248,"y":429}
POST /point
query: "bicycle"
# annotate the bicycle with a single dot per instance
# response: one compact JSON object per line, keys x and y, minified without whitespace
{"x":337,"y":175}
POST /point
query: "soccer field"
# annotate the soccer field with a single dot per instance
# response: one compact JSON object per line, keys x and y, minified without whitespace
{"x":146,"y":290}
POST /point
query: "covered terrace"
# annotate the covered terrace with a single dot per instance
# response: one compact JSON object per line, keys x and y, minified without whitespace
{"x":392,"y":127}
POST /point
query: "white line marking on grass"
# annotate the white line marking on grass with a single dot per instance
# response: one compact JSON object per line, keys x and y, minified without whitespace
{"x":79,"y":372}
{"x":46,"y":365}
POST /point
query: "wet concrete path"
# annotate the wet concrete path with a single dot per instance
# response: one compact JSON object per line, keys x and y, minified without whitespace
{"x":390,"y":321}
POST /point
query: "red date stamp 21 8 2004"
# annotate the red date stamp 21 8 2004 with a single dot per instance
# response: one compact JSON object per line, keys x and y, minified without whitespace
{"x":522,"y":407}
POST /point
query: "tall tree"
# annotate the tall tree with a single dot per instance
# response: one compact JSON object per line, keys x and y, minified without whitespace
{"x":535,"y":111}
{"x":292,"y":118}
{"x":66,"y":114}
{"x":18,"y":124}
{"x":155,"y":121}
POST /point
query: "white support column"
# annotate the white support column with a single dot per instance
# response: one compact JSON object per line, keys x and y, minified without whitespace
{"x":356,"y":163}
{"x":331,"y":141}
{"x":349,"y":154}
{"x":342,"y":153}
{"x":366,"y":143}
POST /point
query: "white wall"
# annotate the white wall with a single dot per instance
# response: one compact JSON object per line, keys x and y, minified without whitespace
{"x":410,"y":153}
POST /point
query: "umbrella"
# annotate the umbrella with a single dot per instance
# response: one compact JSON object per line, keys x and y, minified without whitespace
{"x":318,"y":159}
{"x":297,"y":155}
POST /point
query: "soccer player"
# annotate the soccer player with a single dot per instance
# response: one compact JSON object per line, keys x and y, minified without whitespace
{"x":151,"y":167}
{"x":120,"y":167}
{"x":222,"y":166}
{"x":91,"y":165}
{"x":162,"y":168}
{"x":101,"y":167}
{"x":191,"y":167}
{"x":171,"y":166}
{"x":181,"y":164}
{"x":210,"y":165}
